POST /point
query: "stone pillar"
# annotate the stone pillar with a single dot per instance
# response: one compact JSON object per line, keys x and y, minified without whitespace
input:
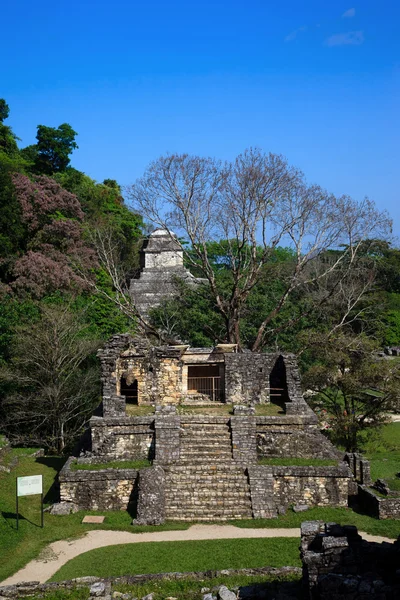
{"x":244,"y":439}
{"x":151,"y":497}
{"x":114,"y":406}
{"x":167,"y":438}
{"x":261,"y":483}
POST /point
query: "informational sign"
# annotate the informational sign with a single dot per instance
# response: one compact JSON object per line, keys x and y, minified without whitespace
{"x":28,"y":486}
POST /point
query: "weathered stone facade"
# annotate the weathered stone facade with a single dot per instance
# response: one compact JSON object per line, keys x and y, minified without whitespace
{"x":161,"y":262}
{"x":113,"y":438}
{"x":210,"y":467}
{"x":151,"y":497}
{"x":183,"y":375}
{"x":293,"y":436}
{"x":206,"y":466}
{"x":375,"y":498}
{"x":381,"y":507}
{"x":107,"y":489}
{"x":275,"y":488}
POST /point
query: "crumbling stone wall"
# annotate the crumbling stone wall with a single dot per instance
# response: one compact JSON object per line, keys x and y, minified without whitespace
{"x":161,"y":374}
{"x":338,"y":563}
{"x":359,"y":467}
{"x":158,"y":371}
{"x":167,"y":432}
{"x":293,"y":436}
{"x":107,"y":489}
{"x":378,"y":506}
{"x":275,"y":488}
{"x":247,"y":377}
{"x":117,"y":439}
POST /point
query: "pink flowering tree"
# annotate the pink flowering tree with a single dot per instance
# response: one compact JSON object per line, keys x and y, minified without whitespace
{"x":56,"y":250}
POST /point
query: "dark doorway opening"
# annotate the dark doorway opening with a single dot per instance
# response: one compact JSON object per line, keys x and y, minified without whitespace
{"x":278,"y":388}
{"x":130,"y":391}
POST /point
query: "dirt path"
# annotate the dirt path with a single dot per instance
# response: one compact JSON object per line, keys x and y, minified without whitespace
{"x":57,"y":554}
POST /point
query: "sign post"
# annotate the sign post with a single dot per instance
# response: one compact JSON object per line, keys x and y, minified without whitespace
{"x":29,"y":486}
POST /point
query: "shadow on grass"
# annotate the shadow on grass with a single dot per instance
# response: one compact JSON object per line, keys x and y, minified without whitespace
{"x":56,"y":463}
{"x":273,"y":589}
{"x":10,"y":519}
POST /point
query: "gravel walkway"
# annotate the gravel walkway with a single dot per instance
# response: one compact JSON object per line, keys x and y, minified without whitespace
{"x":54,"y":556}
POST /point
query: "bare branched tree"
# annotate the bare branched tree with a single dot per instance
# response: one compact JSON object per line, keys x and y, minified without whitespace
{"x":53,"y":384}
{"x":255,"y":204}
{"x":108,"y":251}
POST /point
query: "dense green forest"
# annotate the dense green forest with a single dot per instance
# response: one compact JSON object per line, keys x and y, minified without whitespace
{"x":69,"y":246}
{"x":53,"y":289}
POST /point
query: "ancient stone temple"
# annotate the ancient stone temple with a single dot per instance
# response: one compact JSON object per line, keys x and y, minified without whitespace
{"x":202,"y":465}
{"x":161,"y":263}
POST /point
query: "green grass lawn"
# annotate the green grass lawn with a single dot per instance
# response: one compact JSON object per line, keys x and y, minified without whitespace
{"x":344,"y":516}
{"x":165,"y":557}
{"x":115,"y":464}
{"x":298,"y":462}
{"x":19,"y":547}
{"x":384,"y":455}
{"x":133,"y":410}
{"x":269,"y":410}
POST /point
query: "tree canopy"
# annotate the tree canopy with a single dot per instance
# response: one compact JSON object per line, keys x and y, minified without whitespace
{"x":249,"y":208}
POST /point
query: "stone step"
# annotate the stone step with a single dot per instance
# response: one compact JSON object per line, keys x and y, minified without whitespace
{"x":203,"y":424}
{"x":210,"y":468}
{"x":205,"y":448}
{"x":205,"y":433}
{"x":198,"y":459}
{"x":192,"y":494}
{"x":207,"y":492}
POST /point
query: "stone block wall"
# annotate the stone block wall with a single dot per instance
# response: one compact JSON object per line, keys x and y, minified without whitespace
{"x":275,"y":488}
{"x":107,"y":489}
{"x":293,"y":436}
{"x":377,"y":506}
{"x":337,"y":564}
{"x":158,"y":371}
{"x":108,"y":358}
{"x":116,"y":438}
{"x":359,"y":467}
{"x":161,"y":373}
{"x":247,"y":378}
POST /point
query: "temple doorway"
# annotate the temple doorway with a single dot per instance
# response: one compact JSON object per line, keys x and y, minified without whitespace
{"x":130,"y":391}
{"x":278,"y":388}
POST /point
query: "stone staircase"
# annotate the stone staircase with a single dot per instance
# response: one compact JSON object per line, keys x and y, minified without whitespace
{"x":206,"y":484}
{"x":208,"y":492}
{"x":205,"y":441}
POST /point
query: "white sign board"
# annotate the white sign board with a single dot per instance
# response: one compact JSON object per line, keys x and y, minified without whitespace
{"x":28,"y":486}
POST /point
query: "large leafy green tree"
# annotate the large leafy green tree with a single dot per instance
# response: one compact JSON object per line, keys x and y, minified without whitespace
{"x":355,"y":386}
{"x":8,"y":139}
{"x":51,"y":153}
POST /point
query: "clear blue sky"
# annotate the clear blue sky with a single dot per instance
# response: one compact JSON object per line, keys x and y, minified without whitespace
{"x":317,"y":81}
